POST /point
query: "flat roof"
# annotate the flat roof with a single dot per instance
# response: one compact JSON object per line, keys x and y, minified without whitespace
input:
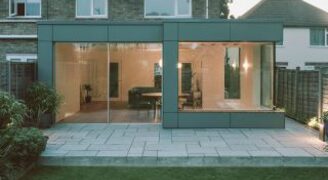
{"x":158,"y":31}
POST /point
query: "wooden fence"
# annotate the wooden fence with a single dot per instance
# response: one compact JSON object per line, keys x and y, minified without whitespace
{"x":302,"y":93}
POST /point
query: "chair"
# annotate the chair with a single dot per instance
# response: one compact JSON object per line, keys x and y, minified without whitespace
{"x":197,"y":99}
{"x":142,"y":104}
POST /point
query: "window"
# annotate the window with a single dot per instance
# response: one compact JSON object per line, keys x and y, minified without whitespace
{"x":280,"y":43}
{"x":158,"y":72}
{"x":326,"y":37}
{"x":232,"y":73}
{"x":167,"y":8}
{"x":25,"y":8}
{"x":114,"y":80}
{"x":217,"y":76}
{"x":318,"y":37}
{"x":21,"y":57}
{"x":186,"y":77}
{"x":91,"y":8}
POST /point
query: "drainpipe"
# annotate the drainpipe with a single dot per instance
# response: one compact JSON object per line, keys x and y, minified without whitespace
{"x":206,"y":16}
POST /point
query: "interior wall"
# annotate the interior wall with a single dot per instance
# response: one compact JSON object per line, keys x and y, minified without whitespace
{"x":136,"y":68}
{"x":67,"y":79}
{"x":94,"y":71}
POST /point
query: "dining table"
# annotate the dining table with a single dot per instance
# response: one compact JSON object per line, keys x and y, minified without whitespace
{"x":157,"y":103}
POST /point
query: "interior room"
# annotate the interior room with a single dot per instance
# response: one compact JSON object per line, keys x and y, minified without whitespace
{"x":225,"y":76}
{"x":102,"y":82}
{"x":122,"y":82}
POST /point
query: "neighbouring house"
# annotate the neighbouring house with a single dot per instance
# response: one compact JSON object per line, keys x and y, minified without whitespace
{"x":305,"y":43}
{"x":173,"y":62}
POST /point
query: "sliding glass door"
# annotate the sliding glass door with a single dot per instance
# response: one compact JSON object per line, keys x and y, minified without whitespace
{"x":135,"y":82}
{"x":109,"y":82}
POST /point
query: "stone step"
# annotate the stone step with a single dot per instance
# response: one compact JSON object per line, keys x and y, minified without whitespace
{"x":195,"y":161}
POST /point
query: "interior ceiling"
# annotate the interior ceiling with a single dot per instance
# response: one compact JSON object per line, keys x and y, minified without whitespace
{"x":158,"y":46}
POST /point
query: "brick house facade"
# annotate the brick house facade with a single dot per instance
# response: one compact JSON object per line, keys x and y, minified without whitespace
{"x":18,"y":35}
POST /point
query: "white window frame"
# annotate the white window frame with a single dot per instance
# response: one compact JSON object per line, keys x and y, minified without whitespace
{"x":24,"y":58}
{"x":92,"y":15}
{"x":325,"y":39}
{"x":176,"y":15}
{"x":25,"y":16}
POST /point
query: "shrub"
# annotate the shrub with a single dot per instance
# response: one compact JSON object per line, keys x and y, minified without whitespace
{"x":26,"y":143}
{"x":19,"y":147}
{"x":12,"y":112}
{"x":40,"y":100}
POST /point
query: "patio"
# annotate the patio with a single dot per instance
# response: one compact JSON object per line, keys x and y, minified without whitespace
{"x":151,"y":145}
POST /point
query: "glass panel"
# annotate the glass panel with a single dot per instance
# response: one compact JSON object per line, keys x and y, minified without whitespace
{"x":160,"y":7}
{"x":267,"y":76}
{"x":317,"y":36}
{"x":140,"y":80}
{"x":33,"y":8}
{"x":232,"y":73}
{"x":83,"y":7}
{"x":99,"y":7}
{"x":225,"y":76}
{"x":81,"y":77}
{"x":184,"y":7}
{"x":12,"y":7}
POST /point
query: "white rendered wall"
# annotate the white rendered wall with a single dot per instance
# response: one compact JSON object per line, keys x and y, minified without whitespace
{"x":296,"y":49}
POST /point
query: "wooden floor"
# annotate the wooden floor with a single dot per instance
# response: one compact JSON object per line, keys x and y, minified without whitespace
{"x":97,"y":112}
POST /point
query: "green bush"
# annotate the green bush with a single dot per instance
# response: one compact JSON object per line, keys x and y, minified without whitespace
{"x":12,"y":112}
{"x":26,"y":144}
{"x":40,"y":100}
{"x":19,"y":147}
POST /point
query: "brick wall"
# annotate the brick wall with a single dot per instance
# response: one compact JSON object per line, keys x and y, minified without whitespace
{"x":17,"y":46}
{"x":118,"y":10}
{"x":9,"y":28}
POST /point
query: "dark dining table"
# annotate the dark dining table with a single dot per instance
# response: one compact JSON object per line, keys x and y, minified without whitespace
{"x":157,"y":97}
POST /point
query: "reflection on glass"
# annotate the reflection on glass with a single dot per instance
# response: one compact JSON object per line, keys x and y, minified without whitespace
{"x":160,"y":7}
{"x":225,"y":76}
{"x":266,"y":74}
{"x":83,"y":7}
{"x":184,"y":7}
{"x":232,"y":74}
{"x":99,"y":7}
{"x":33,"y":9}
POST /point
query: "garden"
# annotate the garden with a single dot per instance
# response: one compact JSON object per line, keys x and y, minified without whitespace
{"x":21,"y":140}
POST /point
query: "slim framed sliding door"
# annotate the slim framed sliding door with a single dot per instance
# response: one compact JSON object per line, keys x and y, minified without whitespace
{"x":134,"y":82}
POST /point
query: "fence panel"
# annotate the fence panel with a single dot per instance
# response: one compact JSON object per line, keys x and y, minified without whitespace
{"x":298,"y":93}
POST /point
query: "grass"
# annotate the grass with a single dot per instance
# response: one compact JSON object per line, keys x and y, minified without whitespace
{"x":175,"y":173}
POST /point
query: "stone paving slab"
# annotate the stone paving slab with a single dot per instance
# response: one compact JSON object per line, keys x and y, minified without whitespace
{"x":150,"y":145}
